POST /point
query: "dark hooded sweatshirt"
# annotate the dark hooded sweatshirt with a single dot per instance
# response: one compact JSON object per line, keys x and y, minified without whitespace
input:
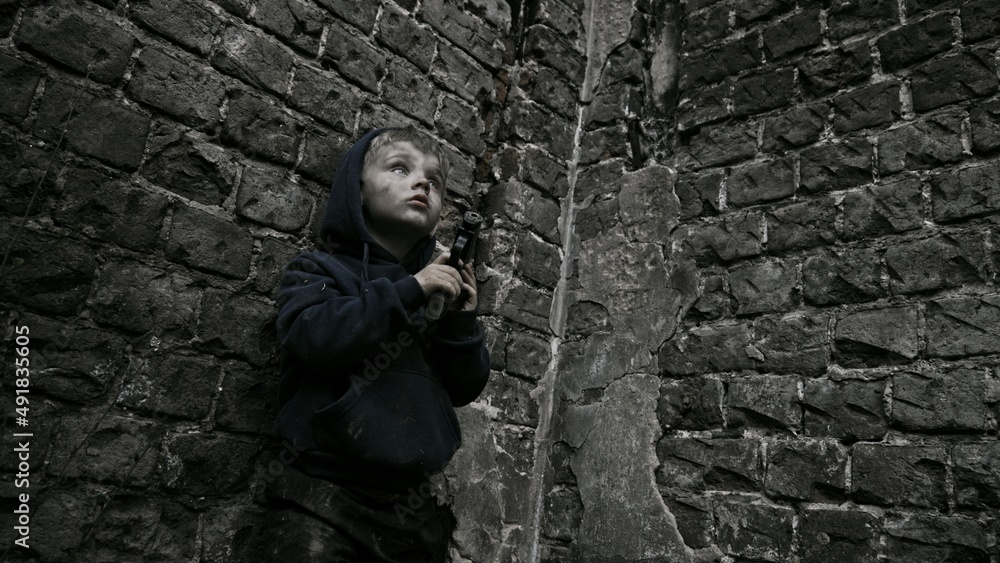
{"x":368,"y":385}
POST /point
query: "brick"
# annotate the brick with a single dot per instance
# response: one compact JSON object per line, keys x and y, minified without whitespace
{"x":605,"y":143}
{"x":985,"y":121}
{"x":916,"y":41}
{"x":836,"y":276}
{"x":977,"y":475}
{"x":843,"y":66}
{"x":587,"y":317}
{"x":694,"y":519}
{"x":461,"y":125}
{"x":735,"y":236}
{"x":722,"y":464}
{"x":761,"y":182}
{"x":544,"y":172}
{"x":839,"y":535}
{"x":86,"y":40}
{"x":720,"y":144}
{"x":728,"y":59}
{"x":527,"y":355}
{"x":548,"y":48}
{"x":892,"y":207}
{"x":24,"y":163}
{"x":410,"y":92}
{"x":405,"y":37}
{"x":185,"y":90}
{"x":757,"y":532}
{"x":362,"y":16}
{"x":706,"y":26}
{"x":847,"y":18}
{"x":957,"y":537}
{"x":836,"y":166}
{"x":18,"y":82}
{"x":534,"y":124}
{"x":128,"y":449}
{"x":980,"y":20}
{"x":793,"y":344}
{"x":806,"y":224}
{"x":248,"y":401}
{"x":140,"y":299}
{"x":497,"y":14}
{"x":764,"y":287}
{"x":274,"y":255}
{"x":749,"y":11}
{"x":8,"y":13}
{"x":796,"y":128}
{"x":265,"y":197}
{"x":550,"y":89}
{"x":206,"y":242}
{"x":464,"y":30}
{"x":867,"y":107}
{"x":511,"y":396}
{"x":208,"y":464}
{"x":703,"y":106}
{"x":326,"y":97}
{"x":528,"y":206}
{"x":765,"y":91}
{"x":954,"y":79}
{"x":967,"y":192}
{"x":463,"y":76}
{"x":354,"y":59}
{"x":562,"y":514}
{"x":261,"y":129}
{"x":949,"y":400}
{"x":173,"y":385}
{"x":527,"y":306}
{"x":845,"y":410}
{"x":190,"y":167}
{"x":699,"y":193}
{"x":296,"y":22}
{"x":648,"y":206}
{"x":876,"y":337}
{"x":57,"y":280}
{"x":921,"y":145}
{"x":963,"y":326}
{"x":186,"y":22}
{"x":116,"y":212}
{"x":809,"y":470}
{"x":239,"y":8}
{"x":707,"y":349}
{"x":766,"y":401}
{"x":563,"y":17}
{"x":254,"y":59}
{"x":946,"y":260}
{"x":793,"y":34}
{"x":694,"y":404}
{"x":611,"y":104}
{"x":321,"y":153}
{"x":900,"y":475}
{"x":236,"y":325}
{"x":537,"y":260}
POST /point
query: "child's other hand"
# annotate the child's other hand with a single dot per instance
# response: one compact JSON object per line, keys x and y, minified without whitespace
{"x":469,"y":289}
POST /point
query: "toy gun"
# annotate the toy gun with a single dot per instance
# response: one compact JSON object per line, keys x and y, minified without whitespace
{"x":461,"y":250}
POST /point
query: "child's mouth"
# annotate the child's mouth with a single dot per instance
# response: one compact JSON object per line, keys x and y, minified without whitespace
{"x":420,"y":201}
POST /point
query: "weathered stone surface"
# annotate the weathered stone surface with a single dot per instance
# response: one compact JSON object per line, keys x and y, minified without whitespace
{"x":527,"y":306}
{"x":325,"y":96}
{"x":945,"y":401}
{"x":720,"y":144}
{"x":798,"y":32}
{"x":760,"y":182}
{"x":891,"y":207}
{"x":966,"y":192}
{"x":548,"y":48}
{"x":459,"y":124}
{"x":955,"y":537}
{"x":537,"y":260}
{"x":563,"y":510}
{"x":254,"y":59}
{"x":877,"y":336}
{"x":727,"y":59}
{"x":321,"y":153}
{"x":690,"y":404}
{"x":797,"y":343}
{"x":141,"y":299}
{"x":459,"y":73}
{"x":527,"y":355}
{"x":298,"y":23}
{"x":842,"y":66}
{"x":597,"y":361}
{"x":191,"y":93}
{"x":260,"y":129}
{"x":624,"y":517}
{"x":274,"y":256}
{"x":947,"y":260}
{"x":764,"y":91}
{"x":980,"y":19}
{"x":915,"y":41}
{"x":848,"y":18}
{"x":706,"y":26}
{"x":836,"y":166}
{"x":152,"y":527}
{"x":360,"y":15}
{"x":963,"y":326}
{"x":767,"y":401}
{"x":464,"y":29}
{"x":703,"y":105}
{"x":802,"y":225}
{"x":84,"y":39}
{"x":173,"y":385}
{"x":707,"y":349}
{"x":189,"y":166}
{"x":695,"y":520}
{"x":648,"y":207}
{"x":764,"y":287}
{"x":977,"y":475}
{"x":921,"y":145}
{"x":112,"y":210}
{"x":512,"y":397}
{"x":866,"y":107}
{"x":65,"y":517}
{"x":533,"y":123}
{"x":699,"y":194}
{"x":738,"y":235}
{"x":207,"y":242}
{"x":900,"y":475}
{"x":248,"y":401}
{"x":843,"y":276}
{"x":528,"y":206}
{"x":18,"y":82}
{"x":809,"y":470}
{"x":798,"y":127}
{"x":953,"y":79}
{"x":108,"y":449}
{"x":55,"y":281}
{"x":755,"y":531}
{"x":207,"y":464}
{"x":236,"y":325}
{"x":266,"y":198}
{"x":846,"y":410}
{"x":406,"y":38}
{"x":187,"y":22}
{"x":412,"y":93}
{"x":838,"y":535}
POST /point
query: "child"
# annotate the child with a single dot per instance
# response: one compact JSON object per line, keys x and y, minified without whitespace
{"x":368,"y":384}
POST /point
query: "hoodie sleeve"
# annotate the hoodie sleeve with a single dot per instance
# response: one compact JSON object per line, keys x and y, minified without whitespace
{"x":322,"y":325}
{"x":458,"y":353}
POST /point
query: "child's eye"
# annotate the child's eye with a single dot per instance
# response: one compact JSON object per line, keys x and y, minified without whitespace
{"x":399,"y":170}
{"x":434,"y":185}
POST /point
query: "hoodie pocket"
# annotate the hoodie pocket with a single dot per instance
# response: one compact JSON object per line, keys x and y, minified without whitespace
{"x":401,"y":420}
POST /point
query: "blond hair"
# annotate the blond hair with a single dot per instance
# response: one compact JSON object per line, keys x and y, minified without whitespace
{"x":422,"y":141}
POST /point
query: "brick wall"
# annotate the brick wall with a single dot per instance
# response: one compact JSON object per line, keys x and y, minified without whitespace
{"x":737,"y":278}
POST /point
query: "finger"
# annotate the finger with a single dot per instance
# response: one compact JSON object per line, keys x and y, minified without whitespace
{"x":442,"y":258}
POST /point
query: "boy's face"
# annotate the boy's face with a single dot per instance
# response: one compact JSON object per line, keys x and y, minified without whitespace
{"x":401,"y":191}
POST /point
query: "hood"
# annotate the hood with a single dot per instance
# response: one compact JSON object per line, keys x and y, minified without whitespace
{"x":343,"y":229}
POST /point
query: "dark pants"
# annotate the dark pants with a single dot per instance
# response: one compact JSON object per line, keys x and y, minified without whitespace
{"x":313,"y":520}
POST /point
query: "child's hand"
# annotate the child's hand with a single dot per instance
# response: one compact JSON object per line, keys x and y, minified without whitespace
{"x":468,"y":289}
{"x":439,"y":276}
